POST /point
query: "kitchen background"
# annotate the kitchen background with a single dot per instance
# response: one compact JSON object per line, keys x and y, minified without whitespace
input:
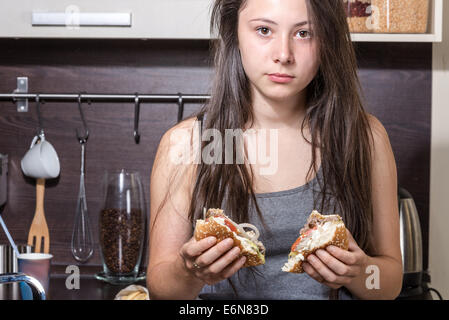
{"x":397,"y":79}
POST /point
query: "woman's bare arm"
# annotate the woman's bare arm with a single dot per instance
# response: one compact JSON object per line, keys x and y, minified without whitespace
{"x":179,"y":266}
{"x":170,"y":227}
{"x":369,"y":277}
{"x":387,"y":257}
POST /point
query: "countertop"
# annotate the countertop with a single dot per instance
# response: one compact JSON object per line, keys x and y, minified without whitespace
{"x":93,"y":289}
{"x":90,"y":289}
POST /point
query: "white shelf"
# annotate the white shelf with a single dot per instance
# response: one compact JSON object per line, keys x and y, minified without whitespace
{"x":435,"y":28}
{"x":381,"y":37}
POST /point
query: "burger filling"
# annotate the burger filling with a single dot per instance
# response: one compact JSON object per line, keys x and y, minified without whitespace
{"x":319,"y":235}
{"x":248,"y":239}
{"x":316,"y":237}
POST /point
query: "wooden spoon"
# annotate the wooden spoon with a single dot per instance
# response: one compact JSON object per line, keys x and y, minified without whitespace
{"x":39,"y":230}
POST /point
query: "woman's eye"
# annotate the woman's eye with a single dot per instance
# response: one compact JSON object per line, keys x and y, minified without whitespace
{"x":304,"y":34}
{"x":263,"y":31}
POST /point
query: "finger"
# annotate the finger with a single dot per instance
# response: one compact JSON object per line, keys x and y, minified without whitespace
{"x":315,"y":275}
{"x":335,"y":265}
{"x":310,"y":270}
{"x":219,"y":265}
{"x":233,"y":268}
{"x":352,"y":244}
{"x":347,"y":257}
{"x":327,"y":274}
{"x":194,"y":248}
{"x":212,"y":254}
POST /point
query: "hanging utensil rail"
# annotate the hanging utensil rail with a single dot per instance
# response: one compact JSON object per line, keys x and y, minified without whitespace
{"x":73,"y":97}
{"x":137,"y":98}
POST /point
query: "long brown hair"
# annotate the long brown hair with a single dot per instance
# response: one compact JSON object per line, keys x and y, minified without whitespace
{"x":335,"y":116}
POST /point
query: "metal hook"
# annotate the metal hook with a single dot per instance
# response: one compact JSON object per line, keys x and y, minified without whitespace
{"x":40,"y":129}
{"x":180,"y":107}
{"x":136,"y":118}
{"x":82,"y":139}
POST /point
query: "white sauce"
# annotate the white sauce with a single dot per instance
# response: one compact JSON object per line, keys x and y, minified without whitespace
{"x":318,"y":237}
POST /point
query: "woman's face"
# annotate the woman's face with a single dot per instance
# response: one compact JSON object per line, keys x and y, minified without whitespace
{"x":273,"y":39}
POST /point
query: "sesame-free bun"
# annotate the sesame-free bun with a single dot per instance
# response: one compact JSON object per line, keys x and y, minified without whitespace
{"x":334,"y":234}
{"x":211,"y":228}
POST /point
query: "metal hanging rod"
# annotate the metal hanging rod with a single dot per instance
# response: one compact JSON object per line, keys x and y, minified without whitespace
{"x":179,"y":99}
{"x":73,"y":97}
{"x":20,"y":97}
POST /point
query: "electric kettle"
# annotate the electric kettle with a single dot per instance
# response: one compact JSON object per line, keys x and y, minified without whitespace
{"x":411,"y":244}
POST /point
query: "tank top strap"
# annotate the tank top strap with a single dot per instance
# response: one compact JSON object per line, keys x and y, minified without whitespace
{"x":202,"y":118}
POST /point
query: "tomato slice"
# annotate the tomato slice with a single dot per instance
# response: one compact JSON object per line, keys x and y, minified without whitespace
{"x":230,"y":225}
{"x":293,"y":248}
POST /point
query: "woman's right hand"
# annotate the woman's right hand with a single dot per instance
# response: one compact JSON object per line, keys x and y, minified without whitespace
{"x":209,"y":261}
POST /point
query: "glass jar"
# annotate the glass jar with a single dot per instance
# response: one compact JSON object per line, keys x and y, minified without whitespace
{"x":358,"y":14}
{"x":122,"y":227}
{"x":400,"y":16}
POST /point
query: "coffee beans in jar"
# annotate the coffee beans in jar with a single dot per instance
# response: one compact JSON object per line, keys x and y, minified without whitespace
{"x":121,"y":237}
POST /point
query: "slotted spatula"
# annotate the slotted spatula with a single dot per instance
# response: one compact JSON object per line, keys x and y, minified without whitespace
{"x":38,"y":234}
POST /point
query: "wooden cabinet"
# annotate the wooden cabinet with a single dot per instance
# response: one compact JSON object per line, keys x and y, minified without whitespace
{"x":144,"y":19}
{"x":133,"y":19}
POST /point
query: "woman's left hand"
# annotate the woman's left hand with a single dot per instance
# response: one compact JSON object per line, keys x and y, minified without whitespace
{"x":335,"y":267}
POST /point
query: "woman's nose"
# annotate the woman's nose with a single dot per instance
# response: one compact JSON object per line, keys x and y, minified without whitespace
{"x":283,"y":51}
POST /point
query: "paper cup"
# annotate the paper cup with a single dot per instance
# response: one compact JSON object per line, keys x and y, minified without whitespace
{"x":36,"y":265}
{"x":41,"y":161}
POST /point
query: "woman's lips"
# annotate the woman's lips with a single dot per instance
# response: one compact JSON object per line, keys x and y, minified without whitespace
{"x":280,"y":78}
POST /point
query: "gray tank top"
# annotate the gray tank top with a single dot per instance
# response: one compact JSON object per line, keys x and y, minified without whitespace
{"x":285,"y":213}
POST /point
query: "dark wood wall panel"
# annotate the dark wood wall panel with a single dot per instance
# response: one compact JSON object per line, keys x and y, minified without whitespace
{"x":396,"y":79}
{"x":94,"y":67}
{"x":397,"y":84}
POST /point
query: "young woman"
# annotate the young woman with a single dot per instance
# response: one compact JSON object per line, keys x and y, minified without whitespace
{"x":288,"y":66}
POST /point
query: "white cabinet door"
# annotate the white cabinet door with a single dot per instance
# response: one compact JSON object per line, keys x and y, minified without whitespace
{"x":139,"y":19}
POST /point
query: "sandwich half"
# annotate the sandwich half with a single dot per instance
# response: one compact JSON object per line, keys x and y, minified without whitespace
{"x":217,"y":224}
{"x":319,"y":232}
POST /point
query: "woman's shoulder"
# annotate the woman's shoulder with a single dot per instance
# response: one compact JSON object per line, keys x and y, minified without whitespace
{"x":175,"y":161}
{"x":376,"y":125}
{"x":382,"y":151}
{"x":186,"y":125}
{"x":379,"y":133}
{"x":180,"y":134}
{"x":177,"y":146}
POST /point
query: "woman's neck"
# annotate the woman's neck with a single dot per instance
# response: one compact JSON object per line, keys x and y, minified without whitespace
{"x":276,"y":114}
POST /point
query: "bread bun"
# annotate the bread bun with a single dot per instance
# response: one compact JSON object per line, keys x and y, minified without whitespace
{"x":319,"y":232}
{"x":212,"y":228}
